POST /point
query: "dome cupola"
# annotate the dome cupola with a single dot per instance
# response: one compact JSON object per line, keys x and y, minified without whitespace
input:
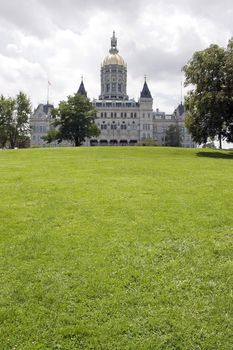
{"x":113,"y":57}
{"x":113,"y":74}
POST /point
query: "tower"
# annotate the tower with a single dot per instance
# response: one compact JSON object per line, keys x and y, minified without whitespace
{"x":113,"y":75}
{"x":146,"y":100}
{"x":146,"y":113}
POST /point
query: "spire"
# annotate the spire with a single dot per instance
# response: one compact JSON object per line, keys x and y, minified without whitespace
{"x":145,"y":93}
{"x":113,"y":49}
{"x":81,"y":90}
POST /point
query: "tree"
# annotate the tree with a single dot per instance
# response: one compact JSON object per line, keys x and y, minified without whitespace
{"x":173,"y":136}
{"x":52,"y":135}
{"x":6,"y":111}
{"x":74,"y":121}
{"x":228,"y":90}
{"x":14,"y":119}
{"x":209,"y":104}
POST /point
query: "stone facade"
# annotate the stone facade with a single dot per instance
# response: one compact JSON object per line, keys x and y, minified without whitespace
{"x":122,"y":121}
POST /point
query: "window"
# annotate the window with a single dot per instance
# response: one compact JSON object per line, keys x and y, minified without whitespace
{"x":134,"y":126}
{"x":119,"y":87}
{"x":135,"y":115}
{"x":131,"y":114}
{"x":115,"y":115}
{"x":111,"y":114}
{"x":146,"y":127}
{"x":107,"y":87}
{"x":113,"y":87}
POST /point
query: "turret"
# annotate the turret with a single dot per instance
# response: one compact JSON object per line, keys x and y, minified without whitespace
{"x":146,"y":100}
{"x":81,"y":90}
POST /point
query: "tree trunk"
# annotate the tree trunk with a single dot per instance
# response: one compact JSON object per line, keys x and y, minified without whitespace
{"x":77,"y":143}
{"x":220,"y":141}
{"x":13,"y":138}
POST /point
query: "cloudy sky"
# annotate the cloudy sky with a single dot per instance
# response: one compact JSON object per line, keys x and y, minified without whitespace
{"x":61,"y":40}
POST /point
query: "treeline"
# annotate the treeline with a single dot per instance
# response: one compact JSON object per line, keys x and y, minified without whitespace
{"x":15,"y":121}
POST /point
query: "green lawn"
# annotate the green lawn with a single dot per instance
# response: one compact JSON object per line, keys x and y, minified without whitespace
{"x":116,"y":248}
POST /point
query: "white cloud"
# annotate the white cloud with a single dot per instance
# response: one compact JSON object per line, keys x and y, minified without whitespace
{"x":64,"y":39}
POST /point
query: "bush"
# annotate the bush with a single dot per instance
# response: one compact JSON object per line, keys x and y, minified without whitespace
{"x":148,"y":142}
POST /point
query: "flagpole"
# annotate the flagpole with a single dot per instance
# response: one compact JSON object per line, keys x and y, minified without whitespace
{"x":181,"y":92}
{"x":48,"y":85}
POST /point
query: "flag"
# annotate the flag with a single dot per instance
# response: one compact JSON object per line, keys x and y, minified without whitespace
{"x":49,"y":82}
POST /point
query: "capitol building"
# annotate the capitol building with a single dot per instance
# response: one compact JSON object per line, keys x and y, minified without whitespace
{"x":121,"y":120}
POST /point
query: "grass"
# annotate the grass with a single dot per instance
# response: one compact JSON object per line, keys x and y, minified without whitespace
{"x":116,"y":248}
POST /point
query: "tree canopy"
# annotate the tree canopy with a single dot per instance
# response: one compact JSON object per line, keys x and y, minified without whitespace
{"x":209,"y":104}
{"x":14,"y":119}
{"x":73,"y":120}
{"x":173,"y":136}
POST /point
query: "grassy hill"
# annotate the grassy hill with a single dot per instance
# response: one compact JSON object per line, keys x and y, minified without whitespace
{"x":116,"y":248}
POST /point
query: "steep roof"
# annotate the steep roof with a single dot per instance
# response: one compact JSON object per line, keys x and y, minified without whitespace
{"x":81,"y":90}
{"x":145,"y":93}
{"x":47,"y":107}
{"x":179,"y":111}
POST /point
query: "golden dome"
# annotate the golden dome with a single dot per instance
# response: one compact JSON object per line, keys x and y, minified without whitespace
{"x":113,"y":58}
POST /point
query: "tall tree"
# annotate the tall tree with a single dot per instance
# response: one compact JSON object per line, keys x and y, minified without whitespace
{"x":209,"y":103}
{"x":14,"y":119}
{"x":173,"y":136}
{"x":74,"y":121}
{"x":228,"y":91}
{"x":19,"y":126}
{"x":6,"y":111}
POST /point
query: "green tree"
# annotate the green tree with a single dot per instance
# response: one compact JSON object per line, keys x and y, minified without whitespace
{"x":173,"y":137}
{"x":228,"y":91}
{"x":14,"y":119}
{"x":6,"y":111}
{"x":74,"y":121}
{"x":52,"y":135}
{"x":209,"y":104}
